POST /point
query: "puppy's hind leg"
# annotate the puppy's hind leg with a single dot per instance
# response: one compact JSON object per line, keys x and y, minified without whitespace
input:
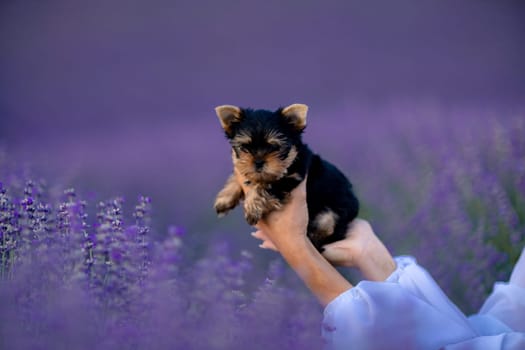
{"x":322,"y":228}
{"x":228,"y":197}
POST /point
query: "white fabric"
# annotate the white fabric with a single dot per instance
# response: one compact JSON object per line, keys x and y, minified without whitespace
{"x":410,"y":311}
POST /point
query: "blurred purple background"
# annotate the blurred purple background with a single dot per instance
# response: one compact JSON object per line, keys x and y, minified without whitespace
{"x":117,"y":97}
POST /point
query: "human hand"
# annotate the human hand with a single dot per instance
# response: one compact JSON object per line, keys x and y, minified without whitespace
{"x":285,"y":230}
{"x":285,"y":225}
{"x":363,"y":250}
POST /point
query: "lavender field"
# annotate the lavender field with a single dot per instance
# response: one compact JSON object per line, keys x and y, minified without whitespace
{"x":111,"y":156}
{"x":77,"y":271}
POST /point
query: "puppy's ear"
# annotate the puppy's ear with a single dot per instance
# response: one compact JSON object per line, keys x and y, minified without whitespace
{"x":228,"y":115}
{"x":296,"y":115}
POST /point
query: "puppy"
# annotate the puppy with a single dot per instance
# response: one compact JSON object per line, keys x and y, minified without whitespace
{"x":267,"y":149}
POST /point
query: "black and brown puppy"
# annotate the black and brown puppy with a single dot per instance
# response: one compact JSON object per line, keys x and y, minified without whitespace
{"x":268,"y":151}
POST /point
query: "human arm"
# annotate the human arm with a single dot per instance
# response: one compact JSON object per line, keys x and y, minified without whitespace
{"x":361,"y":249}
{"x":285,"y":231}
{"x":371,"y":315}
{"x":407,"y":310}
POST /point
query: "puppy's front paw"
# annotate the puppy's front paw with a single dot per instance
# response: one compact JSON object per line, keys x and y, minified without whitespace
{"x":228,"y":197}
{"x":252,"y":217}
{"x":224,"y":204}
{"x":254,"y":207}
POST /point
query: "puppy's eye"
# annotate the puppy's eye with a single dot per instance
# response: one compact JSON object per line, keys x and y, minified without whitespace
{"x":273,"y":147}
{"x":242,"y":148}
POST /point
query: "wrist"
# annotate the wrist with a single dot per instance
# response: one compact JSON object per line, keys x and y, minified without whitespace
{"x":317,"y":273}
{"x":284,"y":234}
{"x":374,"y":260}
{"x":285,"y":241}
{"x":377,"y":267}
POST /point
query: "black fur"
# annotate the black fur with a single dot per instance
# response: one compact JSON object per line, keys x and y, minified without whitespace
{"x":327,"y":187}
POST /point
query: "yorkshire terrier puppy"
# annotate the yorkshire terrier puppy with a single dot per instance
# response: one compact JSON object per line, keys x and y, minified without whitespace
{"x":267,"y":149}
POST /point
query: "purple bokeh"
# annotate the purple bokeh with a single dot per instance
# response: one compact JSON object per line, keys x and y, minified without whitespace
{"x":79,"y":67}
{"x":118,"y":96}
{"x":99,"y":63}
{"x":421,"y":103}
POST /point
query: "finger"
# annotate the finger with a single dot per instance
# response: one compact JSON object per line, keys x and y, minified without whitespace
{"x":358,"y":226}
{"x":337,"y":255}
{"x":331,"y":254}
{"x":335,"y":245}
{"x":260,"y":235}
{"x":268,"y":245}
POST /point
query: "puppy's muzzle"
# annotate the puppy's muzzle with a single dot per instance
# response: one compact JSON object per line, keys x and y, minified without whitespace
{"x":259,"y":164}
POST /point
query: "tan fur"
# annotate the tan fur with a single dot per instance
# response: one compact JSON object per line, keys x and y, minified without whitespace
{"x":296,"y":113}
{"x":274,"y":138}
{"x":228,"y":197}
{"x":227,"y":115}
{"x":295,"y":176}
{"x":241,"y":139}
{"x":258,"y":203}
{"x":324,"y":224}
{"x":274,"y":168}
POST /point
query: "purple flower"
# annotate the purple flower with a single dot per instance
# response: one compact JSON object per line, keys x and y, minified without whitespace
{"x":448,"y":190}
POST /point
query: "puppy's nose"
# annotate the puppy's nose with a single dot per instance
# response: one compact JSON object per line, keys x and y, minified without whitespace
{"x":259,"y":164}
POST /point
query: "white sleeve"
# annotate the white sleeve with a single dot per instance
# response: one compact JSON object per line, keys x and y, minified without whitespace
{"x":410,"y":311}
{"x":503,"y":341}
{"x":506,"y":303}
{"x":406,"y":311}
{"x":501,"y":319}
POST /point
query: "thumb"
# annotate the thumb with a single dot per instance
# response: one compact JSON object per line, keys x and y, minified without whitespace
{"x":337,"y":254}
